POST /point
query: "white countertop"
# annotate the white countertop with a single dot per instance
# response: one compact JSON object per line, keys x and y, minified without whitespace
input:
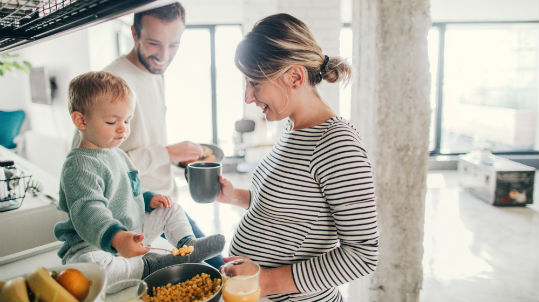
{"x":211,"y":218}
{"x":28,"y":230}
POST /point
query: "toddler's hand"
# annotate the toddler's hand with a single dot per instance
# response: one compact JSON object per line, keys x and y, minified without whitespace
{"x":160,"y":201}
{"x":129,"y":244}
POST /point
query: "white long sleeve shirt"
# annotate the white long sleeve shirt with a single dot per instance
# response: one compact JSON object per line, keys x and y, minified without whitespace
{"x":148,"y":139}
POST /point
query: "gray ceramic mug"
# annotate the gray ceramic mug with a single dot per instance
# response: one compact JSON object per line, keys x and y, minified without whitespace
{"x":203,"y":179}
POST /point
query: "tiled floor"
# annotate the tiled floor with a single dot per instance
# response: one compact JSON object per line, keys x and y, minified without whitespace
{"x":473,"y":251}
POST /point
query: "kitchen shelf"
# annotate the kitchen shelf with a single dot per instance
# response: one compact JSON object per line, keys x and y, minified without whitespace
{"x":23,"y":22}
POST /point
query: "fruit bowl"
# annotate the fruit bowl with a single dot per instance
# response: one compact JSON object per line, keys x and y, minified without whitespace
{"x":42,"y":280}
{"x":92,"y":272}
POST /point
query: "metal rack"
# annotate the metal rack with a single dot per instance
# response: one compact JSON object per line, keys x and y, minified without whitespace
{"x":25,"y":21}
{"x":13,"y":191}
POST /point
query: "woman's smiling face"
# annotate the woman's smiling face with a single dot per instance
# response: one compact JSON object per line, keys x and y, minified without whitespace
{"x":271,"y":96}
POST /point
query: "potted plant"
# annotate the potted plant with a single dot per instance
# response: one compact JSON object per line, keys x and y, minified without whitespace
{"x":8,"y":62}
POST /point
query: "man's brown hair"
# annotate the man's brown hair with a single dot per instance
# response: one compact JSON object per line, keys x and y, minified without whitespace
{"x":168,"y":13}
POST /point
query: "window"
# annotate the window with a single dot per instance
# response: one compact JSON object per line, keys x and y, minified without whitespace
{"x":188,"y":89}
{"x":433,"y":46}
{"x":203,"y":89}
{"x":345,"y":95}
{"x":485,"y":93}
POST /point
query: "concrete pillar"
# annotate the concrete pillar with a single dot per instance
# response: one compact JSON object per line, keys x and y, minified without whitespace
{"x":390,"y":105}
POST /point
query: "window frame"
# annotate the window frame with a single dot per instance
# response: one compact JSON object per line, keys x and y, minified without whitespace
{"x":442,"y":26}
{"x":213,"y":72}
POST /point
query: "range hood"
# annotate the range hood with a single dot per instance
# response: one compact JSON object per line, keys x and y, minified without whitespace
{"x":24,"y":22}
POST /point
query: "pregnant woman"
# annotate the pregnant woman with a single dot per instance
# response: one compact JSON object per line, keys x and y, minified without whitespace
{"x":311,"y":215}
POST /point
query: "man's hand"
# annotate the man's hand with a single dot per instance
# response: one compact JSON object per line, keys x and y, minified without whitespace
{"x":160,"y":201}
{"x":129,"y":244}
{"x":184,"y":151}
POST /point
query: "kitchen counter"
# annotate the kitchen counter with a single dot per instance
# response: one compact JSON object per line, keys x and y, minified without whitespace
{"x":27,"y":230}
{"x":211,"y":218}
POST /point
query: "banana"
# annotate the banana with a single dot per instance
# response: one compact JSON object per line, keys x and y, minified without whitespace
{"x":46,"y":288}
{"x":14,"y":290}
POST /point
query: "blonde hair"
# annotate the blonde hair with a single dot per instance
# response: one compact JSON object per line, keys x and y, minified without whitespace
{"x":279,"y":41}
{"x":88,"y":88}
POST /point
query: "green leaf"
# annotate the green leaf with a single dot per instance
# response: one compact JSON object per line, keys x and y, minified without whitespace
{"x":9,"y":63}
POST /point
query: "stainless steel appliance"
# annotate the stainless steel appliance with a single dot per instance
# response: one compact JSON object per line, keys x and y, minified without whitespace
{"x":499,"y":181}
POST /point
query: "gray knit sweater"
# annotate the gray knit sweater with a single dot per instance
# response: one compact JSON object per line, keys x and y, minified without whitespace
{"x":100,"y":192}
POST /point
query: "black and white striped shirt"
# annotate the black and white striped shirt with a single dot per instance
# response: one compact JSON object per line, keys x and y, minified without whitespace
{"x":313,"y":207}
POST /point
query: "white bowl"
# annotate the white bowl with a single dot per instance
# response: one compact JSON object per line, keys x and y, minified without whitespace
{"x":92,"y":272}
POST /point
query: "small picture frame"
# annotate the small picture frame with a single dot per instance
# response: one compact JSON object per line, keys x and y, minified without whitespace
{"x":40,"y":86}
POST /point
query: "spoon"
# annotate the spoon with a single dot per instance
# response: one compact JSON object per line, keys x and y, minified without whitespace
{"x":159,"y":249}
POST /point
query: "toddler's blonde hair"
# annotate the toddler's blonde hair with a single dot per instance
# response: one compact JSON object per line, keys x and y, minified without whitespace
{"x":88,"y":88}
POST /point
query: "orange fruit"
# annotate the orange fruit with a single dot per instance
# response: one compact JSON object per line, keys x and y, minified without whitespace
{"x":75,"y":283}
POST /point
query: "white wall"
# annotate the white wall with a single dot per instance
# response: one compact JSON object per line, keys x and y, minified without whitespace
{"x":484,"y":10}
{"x":64,"y":57}
{"x":102,"y":43}
{"x":50,"y":127}
{"x":213,"y":12}
{"x":15,"y":90}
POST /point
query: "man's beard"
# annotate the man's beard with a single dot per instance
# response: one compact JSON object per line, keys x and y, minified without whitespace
{"x":146,"y":64}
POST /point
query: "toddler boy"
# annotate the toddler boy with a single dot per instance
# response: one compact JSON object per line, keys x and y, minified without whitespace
{"x":110,"y":219}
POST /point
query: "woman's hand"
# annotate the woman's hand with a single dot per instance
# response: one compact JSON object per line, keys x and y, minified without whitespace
{"x":230,"y":195}
{"x":128,"y":244}
{"x":242,"y":266}
{"x":272,"y":280}
{"x":226,"y":194}
{"x":160,"y":201}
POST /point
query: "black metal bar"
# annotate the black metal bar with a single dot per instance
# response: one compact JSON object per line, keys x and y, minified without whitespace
{"x":73,"y":16}
{"x":484,"y":22}
{"x":7,"y":34}
{"x":439,"y":90}
{"x":213,"y":86}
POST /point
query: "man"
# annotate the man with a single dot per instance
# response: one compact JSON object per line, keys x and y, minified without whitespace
{"x":156,"y":35}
